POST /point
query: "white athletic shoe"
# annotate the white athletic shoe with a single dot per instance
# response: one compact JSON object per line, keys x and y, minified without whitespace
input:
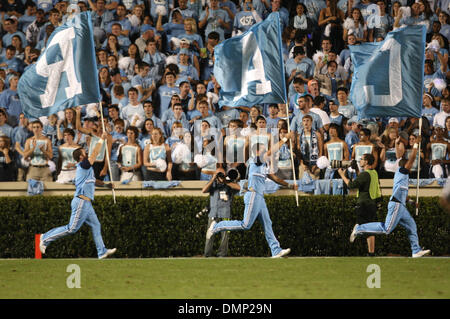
{"x":353,"y":234}
{"x":421,"y":253}
{"x":42,"y":247}
{"x":282,"y":253}
{"x":209,"y":232}
{"x":109,"y":252}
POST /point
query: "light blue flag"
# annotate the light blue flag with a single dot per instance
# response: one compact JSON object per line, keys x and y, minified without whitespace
{"x":65,"y":74}
{"x":249,"y":68}
{"x":388,"y":75}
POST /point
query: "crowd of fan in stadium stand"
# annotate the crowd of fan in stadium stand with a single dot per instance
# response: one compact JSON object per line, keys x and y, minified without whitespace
{"x":155,"y":63}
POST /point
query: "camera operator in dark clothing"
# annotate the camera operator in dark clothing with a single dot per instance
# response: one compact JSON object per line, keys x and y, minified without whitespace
{"x":368,"y":192}
{"x":222,"y":190}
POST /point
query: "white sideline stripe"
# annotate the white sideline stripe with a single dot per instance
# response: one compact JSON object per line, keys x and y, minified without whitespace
{"x":213,"y":258}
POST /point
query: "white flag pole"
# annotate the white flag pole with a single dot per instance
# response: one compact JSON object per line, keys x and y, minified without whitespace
{"x":106,"y":151}
{"x":418,"y":168}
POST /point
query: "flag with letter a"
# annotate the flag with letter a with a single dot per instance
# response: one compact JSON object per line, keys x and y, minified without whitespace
{"x":65,"y":74}
{"x":249,"y":68}
{"x":388,"y":76}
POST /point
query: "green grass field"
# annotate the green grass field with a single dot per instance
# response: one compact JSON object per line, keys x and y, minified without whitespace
{"x":225,"y":278}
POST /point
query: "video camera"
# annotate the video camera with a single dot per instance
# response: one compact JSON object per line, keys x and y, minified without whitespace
{"x":232,"y":175}
{"x":344,"y":164}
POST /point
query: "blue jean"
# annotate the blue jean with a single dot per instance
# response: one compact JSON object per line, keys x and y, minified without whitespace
{"x":397,"y":214}
{"x":255,"y":208}
{"x":82,"y":212}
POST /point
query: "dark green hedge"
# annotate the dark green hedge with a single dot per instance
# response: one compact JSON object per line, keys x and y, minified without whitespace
{"x":158,"y":226}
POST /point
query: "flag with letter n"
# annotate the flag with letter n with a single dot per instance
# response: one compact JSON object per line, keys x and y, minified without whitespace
{"x":388,"y":76}
{"x":249,"y":68}
{"x":65,"y":75}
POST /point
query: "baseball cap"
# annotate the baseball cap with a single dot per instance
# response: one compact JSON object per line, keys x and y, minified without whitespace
{"x":429,"y":95}
{"x":145,"y":27}
{"x":186,"y":41}
{"x":312,"y":81}
{"x":393,"y":120}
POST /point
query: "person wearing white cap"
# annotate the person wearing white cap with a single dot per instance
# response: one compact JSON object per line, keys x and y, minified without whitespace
{"x":393,"y":122}
{"x":186,"y":44}
{"x":187,"y":71}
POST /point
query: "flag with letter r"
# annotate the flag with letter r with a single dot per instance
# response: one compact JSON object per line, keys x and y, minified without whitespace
{"x":388,"y":76}
{"x":65,"y":75}
{"x":249,"y":68}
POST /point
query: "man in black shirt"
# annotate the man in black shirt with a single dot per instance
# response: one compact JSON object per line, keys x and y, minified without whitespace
{"x":368,"y":191}
{"x":221,"y":193}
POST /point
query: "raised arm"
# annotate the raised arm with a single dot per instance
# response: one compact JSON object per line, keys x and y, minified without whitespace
{"x":412,"y":157}
{"x":96,"y":150}
{"x":80,"y":128}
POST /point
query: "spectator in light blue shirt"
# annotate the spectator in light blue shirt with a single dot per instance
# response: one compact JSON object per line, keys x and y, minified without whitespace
{"x":10,"y":26}
{"x":272,"y":119}
{"x":122,"y":19}
{"x":154,"y":8}
{"x":352,"y":136}
{"x":185,"y":11}
{"x":28,"y":17}
{"x":124,"y":41}
{"x":177,"y":116}
{"x":215,"y":19}
{"x":245,"y":18}
{"x":165,"y":93}
{"x":9,"y":99}
{"x":275,"y":6}
{"x":101,"y":17}
{"x":300,"y":66}
{"x":10,"y":62}
{"x":171,"y":29}
{"x":5,"y":128}
{"x":414,"y":19}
